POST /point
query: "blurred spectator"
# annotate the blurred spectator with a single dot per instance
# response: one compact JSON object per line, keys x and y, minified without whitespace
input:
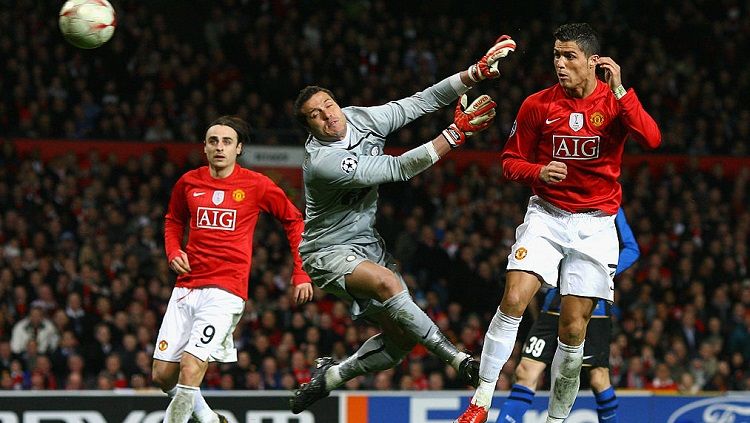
{"x":35,"y":327}
{"x":662,"y":380}
{"x":687,"y":385}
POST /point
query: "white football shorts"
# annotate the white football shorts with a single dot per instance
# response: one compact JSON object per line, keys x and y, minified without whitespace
{"x":577,"y":252}
{"x":200,"y":322}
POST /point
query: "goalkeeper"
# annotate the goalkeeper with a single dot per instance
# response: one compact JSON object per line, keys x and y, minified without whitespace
{"x":341,"y":250}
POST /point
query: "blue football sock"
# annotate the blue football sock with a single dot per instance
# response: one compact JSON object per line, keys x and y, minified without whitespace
{"x":606,"y":405}
{"x":515,"y":406}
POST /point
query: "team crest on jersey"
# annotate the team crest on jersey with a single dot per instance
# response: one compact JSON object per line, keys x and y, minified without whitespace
{"x":163,"y":345}
{"x":375,"y":150}
{"x":597,"y":119}
{"x":576,"y":121}
{"x":218,"y":197}
{"x":521,"y":253}
{"x":349,"y":164}
{"x":238,"y":195}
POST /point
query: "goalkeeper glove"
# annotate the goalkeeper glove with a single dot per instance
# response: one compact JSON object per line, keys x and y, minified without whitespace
{"x":487,"y":66}
{"x":468,"y":120}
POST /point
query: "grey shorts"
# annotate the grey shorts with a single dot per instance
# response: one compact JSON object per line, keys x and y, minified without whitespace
{"x":329,"y":266}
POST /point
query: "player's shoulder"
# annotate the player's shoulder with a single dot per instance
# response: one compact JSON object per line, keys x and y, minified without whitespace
{"x":320,"y":153}
{"x":546,"y":95}
{"x":356,"y":113}
{"x":360,"y":119}
{"x":194,"y":174}
{"x":246,"y":174}
{"x":540,"y":100}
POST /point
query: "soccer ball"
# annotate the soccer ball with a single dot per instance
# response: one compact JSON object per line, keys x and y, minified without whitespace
{"x":87,"y":23}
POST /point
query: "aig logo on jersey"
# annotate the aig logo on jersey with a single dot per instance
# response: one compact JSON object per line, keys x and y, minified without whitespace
{"x":211,"y":218}
{"x":575,"y":148}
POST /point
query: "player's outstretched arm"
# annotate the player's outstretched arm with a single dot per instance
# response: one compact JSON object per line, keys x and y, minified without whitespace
{"x":341,"y":168}
{"x":389,"y":117}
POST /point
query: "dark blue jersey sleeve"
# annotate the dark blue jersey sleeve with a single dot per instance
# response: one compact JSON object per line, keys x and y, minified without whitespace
{"x":629,"y":251}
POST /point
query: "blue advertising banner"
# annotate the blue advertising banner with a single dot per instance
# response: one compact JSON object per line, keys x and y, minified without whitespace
{"x":355,"y":407}
{"x":641,"y":408}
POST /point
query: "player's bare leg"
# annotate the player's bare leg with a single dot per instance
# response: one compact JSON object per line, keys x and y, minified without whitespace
{"x":499,"y":341}
{"x":606,"y":400}
{"x":575,"y":313}
{"x":522,"y":392}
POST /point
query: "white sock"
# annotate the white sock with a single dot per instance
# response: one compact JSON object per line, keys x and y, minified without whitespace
{"x":566,"y":379}
{"x":498,"y":345}
{"x":181,"y":406}
{"x":202,"y":411}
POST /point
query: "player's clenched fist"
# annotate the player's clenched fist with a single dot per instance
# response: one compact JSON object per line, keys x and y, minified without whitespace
{"x":553,"y":172}
{"x":468,"y":120}
{"x":180,"y":263}
{"x":487,"y":66}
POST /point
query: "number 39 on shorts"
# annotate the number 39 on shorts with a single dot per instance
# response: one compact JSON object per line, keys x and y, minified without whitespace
{"x":535,"y":346}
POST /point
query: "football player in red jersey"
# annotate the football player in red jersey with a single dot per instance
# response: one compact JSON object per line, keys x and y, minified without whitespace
{"x":220,"y":203}
{"x":567,"y":144}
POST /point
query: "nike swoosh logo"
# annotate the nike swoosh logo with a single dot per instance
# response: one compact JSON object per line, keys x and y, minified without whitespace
{"x":586,"y":357}
{"x":548,"y":121}
{"x":198,"y":194}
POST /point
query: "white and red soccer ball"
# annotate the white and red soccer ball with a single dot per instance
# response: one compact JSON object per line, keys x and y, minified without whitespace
{"x":87,"y":23}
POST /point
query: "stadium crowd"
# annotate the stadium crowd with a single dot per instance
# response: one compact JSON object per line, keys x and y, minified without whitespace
{"x":162,"y":74}
{"x":84,"y":281}
{"x":83,"y":277}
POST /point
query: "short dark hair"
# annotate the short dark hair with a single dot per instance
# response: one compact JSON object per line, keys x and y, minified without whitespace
{"x":239,"y":125}
{"x":583,"y":34}
{"x":304,"y":95}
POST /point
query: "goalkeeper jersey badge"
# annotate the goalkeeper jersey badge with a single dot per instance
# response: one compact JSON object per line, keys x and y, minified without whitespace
{"x":218,"y":197}
{"x":349,"y":164}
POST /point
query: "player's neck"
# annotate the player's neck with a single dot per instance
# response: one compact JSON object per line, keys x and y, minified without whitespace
{"x":220,"y":173}
{"x":582,"y":91}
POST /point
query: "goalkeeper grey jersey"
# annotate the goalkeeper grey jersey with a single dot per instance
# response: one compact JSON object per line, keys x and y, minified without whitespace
{"x":342,"y":177}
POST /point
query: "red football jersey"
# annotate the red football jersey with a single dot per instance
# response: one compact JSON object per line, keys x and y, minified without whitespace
{"x":222,"y":214}
{"x":587,"y":134}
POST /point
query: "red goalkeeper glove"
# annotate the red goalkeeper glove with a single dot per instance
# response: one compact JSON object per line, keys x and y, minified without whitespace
{"x":469,"y":120}
{"x":487,"y":66}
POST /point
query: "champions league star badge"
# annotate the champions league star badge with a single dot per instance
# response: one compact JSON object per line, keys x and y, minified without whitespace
{"x":349,"y":165}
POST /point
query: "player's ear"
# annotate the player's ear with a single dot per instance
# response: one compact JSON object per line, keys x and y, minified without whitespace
{"x":239,"y":148}
{"x":593,"y":60}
